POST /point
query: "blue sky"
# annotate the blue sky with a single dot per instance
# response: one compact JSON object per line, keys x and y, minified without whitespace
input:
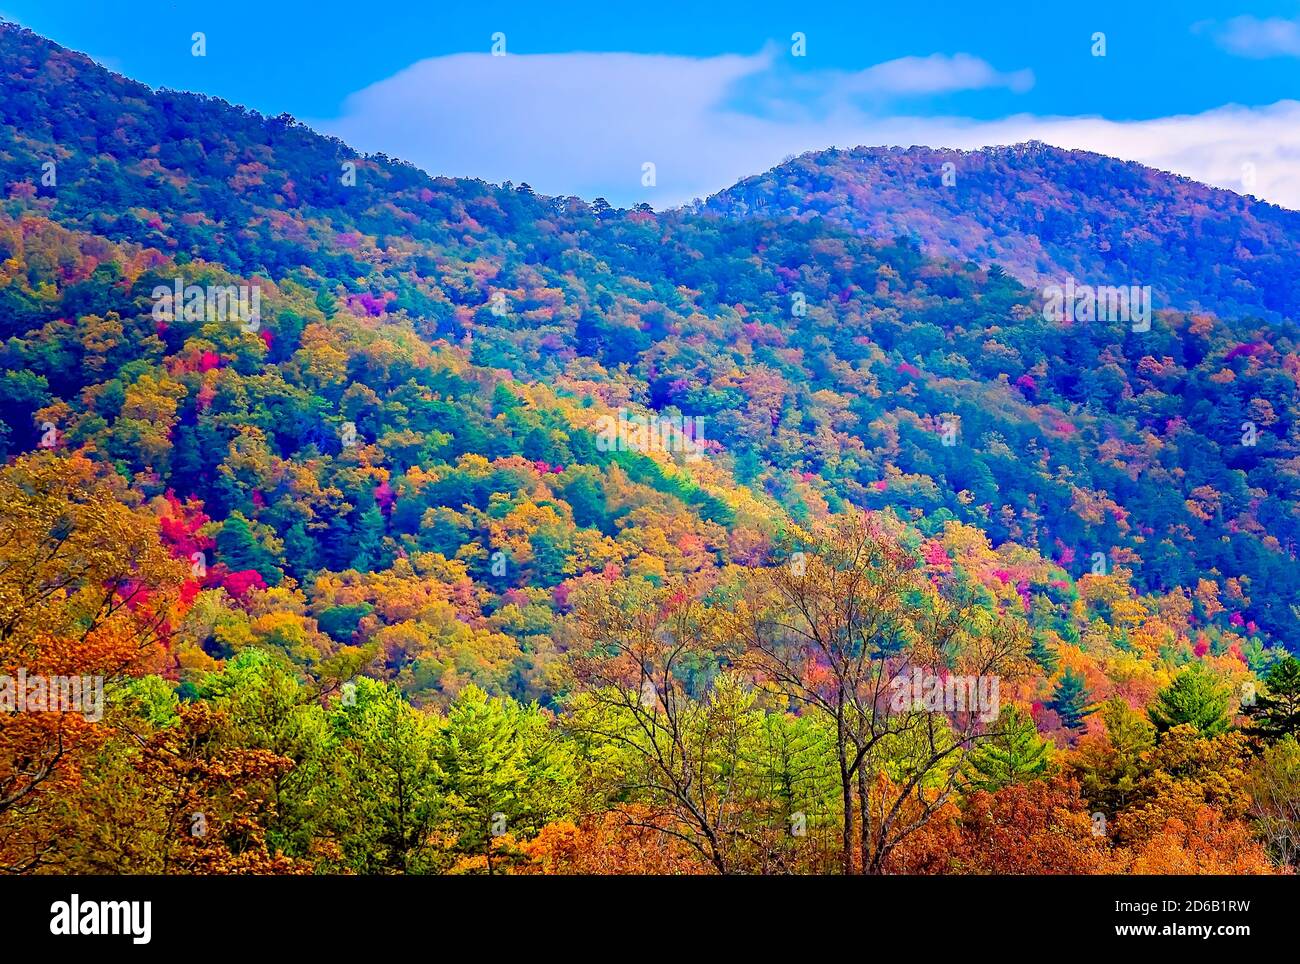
{"x":590,"y":92}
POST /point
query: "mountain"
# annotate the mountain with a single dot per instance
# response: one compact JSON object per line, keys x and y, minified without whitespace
{"x":1044,"y":213}
{"x":350,"y":478}
{"x":824,"y":365}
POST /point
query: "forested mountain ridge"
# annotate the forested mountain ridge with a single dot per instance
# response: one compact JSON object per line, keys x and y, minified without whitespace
{"x":822,"y":364}
{"x":1045,"y":213}
{"x":477,"y":448}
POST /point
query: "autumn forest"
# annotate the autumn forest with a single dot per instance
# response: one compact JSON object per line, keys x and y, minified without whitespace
{"x":390,"y":523}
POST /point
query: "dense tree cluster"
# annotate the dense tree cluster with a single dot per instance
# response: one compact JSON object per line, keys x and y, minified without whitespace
{"x":736,"y":718}
{"x":1046,"y":213}
{"x":373,"y":588}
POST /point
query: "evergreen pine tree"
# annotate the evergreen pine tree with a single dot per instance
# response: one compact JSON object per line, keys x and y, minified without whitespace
{"x":369,"y":540}
{"x":503,"y":399}
{"x":1042,"y":654}
{"x":340,"y":622}
{"x":339,"y":546}
{"x":482,"y":759}
{"x":326,"y":302}
{"x":550,"y":547}
{"x":1193,"y":697}
{"x":586,"y":498}
{"x":1276,"y":714}
{"x":300,"y":552}
{"x":1015,"y":753}
{"x":239,"y":549}
{"x":1070,"y":700}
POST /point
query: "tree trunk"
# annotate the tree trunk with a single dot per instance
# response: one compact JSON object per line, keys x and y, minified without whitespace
{"x":864,"y":819}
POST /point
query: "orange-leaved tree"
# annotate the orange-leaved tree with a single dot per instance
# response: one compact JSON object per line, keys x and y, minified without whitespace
{"x":87,"y":591}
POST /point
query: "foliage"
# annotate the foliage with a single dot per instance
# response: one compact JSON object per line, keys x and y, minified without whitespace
{"x":371,"y":592}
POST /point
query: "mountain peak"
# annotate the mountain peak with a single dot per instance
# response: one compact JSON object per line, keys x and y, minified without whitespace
{"x":1045,"y":213}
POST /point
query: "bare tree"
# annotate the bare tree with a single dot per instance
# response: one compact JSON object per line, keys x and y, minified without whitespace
{"x":680,"y":750}
{"x":1274,"y":784}
{"x":835,"y":628}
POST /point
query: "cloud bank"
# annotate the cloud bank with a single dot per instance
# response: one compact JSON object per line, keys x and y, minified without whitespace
{"x":586,"y":123}
{"x":1252,"y":37}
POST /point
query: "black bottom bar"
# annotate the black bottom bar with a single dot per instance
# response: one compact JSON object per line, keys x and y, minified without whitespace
{"x":234,"y":915}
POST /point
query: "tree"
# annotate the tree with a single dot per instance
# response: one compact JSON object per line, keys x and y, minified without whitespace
{"x":1194,"y":697}
{"x":1043,"y":654}
{"x":788,"y":772}
{"x":834,"y":628}
{"x":1205,"y":842}
{"x":1274,"y":784}
{"x":1186,"y":771}
{"x":1275,"y":714}
{"x":1112,"y":765}
{"x":1014,"y":754}
{"x":634,"y":705}
{"x":369,"y":541}
{"x":239,"y":549}
{"x":300,"y":552}
{"x":1070,"y":699}
{"x":87,"y":591}
{"x":269,"y":707}
{"x":1036,"y":827}
{"x":386,"y":795}
{"x":585,"y":496}
{"x":550,"y":545}
{"x":503,"y":769}
{"x":340,"y":623}
{"x":609,"y":843}
{"x":188,"y":798}
{"x":326,"y":302}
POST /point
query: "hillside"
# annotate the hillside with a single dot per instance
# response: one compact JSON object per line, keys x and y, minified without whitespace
{"x":432,"y":471}
{"x":1044,"y":213}
{"x":823,"y":364}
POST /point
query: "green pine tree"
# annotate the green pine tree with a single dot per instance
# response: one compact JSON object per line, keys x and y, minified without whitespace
{"x":300,"y":552}
{"x":340,"y":622}
{"x":1042,"y":654}
{"x":326,"y":302}
{"x":586,"y":498}
{"x":1276,"y":714}
{"x":239,"y":549}
{"x":504,"y":771}
{"x":338,"y":544}
{"x":550,"y":545}
{"x":369,"y":540}
{"x":1070,"y":700}
{"x":1194,"y":697}
{"x":1014,"y":753}
{"x":385,"y":795}
{"x":503,"y":399}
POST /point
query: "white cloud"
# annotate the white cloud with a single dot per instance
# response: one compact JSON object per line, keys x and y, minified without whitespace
{"x":936,"y":74}
{"x":584,"y":123}
{"x":580,"y":123}
{"x":1252,"y":37}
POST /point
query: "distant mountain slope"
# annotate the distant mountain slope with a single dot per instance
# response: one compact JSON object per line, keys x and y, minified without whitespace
{"x":1044,"y":213}
{"x":202,"y":178}
{"x":828,"y":368}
